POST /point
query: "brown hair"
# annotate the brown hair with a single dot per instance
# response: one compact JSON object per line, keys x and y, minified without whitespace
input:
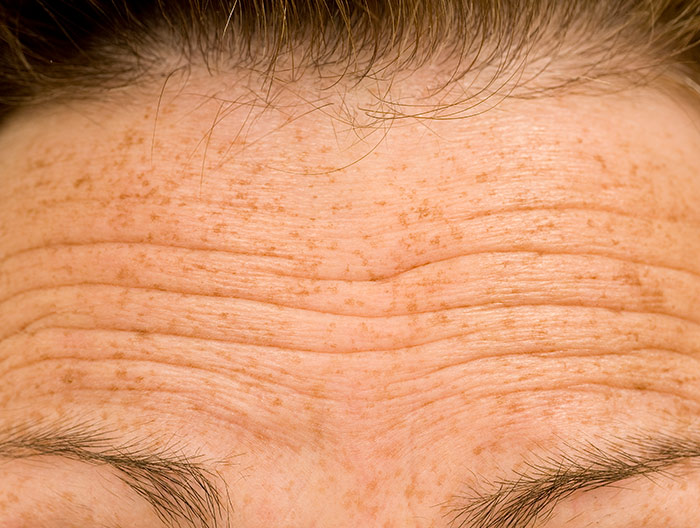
{"x":59,"y":48}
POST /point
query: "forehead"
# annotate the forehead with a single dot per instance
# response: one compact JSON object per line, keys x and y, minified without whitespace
{"x":296,"y":280}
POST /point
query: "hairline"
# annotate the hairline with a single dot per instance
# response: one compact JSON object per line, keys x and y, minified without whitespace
{"x":365,"y":47}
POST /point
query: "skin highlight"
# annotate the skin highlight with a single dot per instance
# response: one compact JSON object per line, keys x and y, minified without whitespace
{"x":355,"y":321}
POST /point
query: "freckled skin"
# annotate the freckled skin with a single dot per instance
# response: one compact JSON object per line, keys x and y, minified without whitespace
{"x":365,"y":324}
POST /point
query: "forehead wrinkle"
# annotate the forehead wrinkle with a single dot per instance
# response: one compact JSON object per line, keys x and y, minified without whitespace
{"x":576,"y":259}
{"x":256,"y":391}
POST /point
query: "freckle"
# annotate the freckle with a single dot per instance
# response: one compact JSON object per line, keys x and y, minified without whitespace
{"x":514,"y":408}
{"x":120,"y":373}
{"x":412,"y":307}
{"x":81,"y":181}
{"x":67,"y":378}
{"x":601,"y":161}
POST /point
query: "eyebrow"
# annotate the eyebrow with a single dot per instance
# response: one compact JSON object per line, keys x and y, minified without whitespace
{"x":533,"y":493}
{"x":177,"y":486}
{"x":183,"y":488}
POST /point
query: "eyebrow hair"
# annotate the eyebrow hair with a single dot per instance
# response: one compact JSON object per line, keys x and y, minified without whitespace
{"x":177,"y":486}
{"x":182,"y":488}
{"x":534,"y":492}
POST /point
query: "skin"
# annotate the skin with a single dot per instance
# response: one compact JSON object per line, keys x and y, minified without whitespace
{"x":354,"y":321}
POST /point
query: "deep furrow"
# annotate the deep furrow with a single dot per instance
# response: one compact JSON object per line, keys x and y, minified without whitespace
{"x":483,"y":305}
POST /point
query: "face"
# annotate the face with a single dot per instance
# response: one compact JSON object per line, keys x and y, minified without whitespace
{"x":314,"y":319}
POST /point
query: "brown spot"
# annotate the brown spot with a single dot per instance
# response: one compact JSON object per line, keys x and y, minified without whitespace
{"x":630,"y":277}
{"x":80,"y":181}
{"x":601,"y":161}
{"x":423,"y":212}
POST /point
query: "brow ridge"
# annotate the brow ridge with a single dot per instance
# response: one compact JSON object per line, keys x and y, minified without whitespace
{"x":179,"y":487}
{"x":533,"y":493}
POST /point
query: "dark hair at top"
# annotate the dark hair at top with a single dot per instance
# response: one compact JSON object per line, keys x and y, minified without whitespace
{"x":62,"y":48}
